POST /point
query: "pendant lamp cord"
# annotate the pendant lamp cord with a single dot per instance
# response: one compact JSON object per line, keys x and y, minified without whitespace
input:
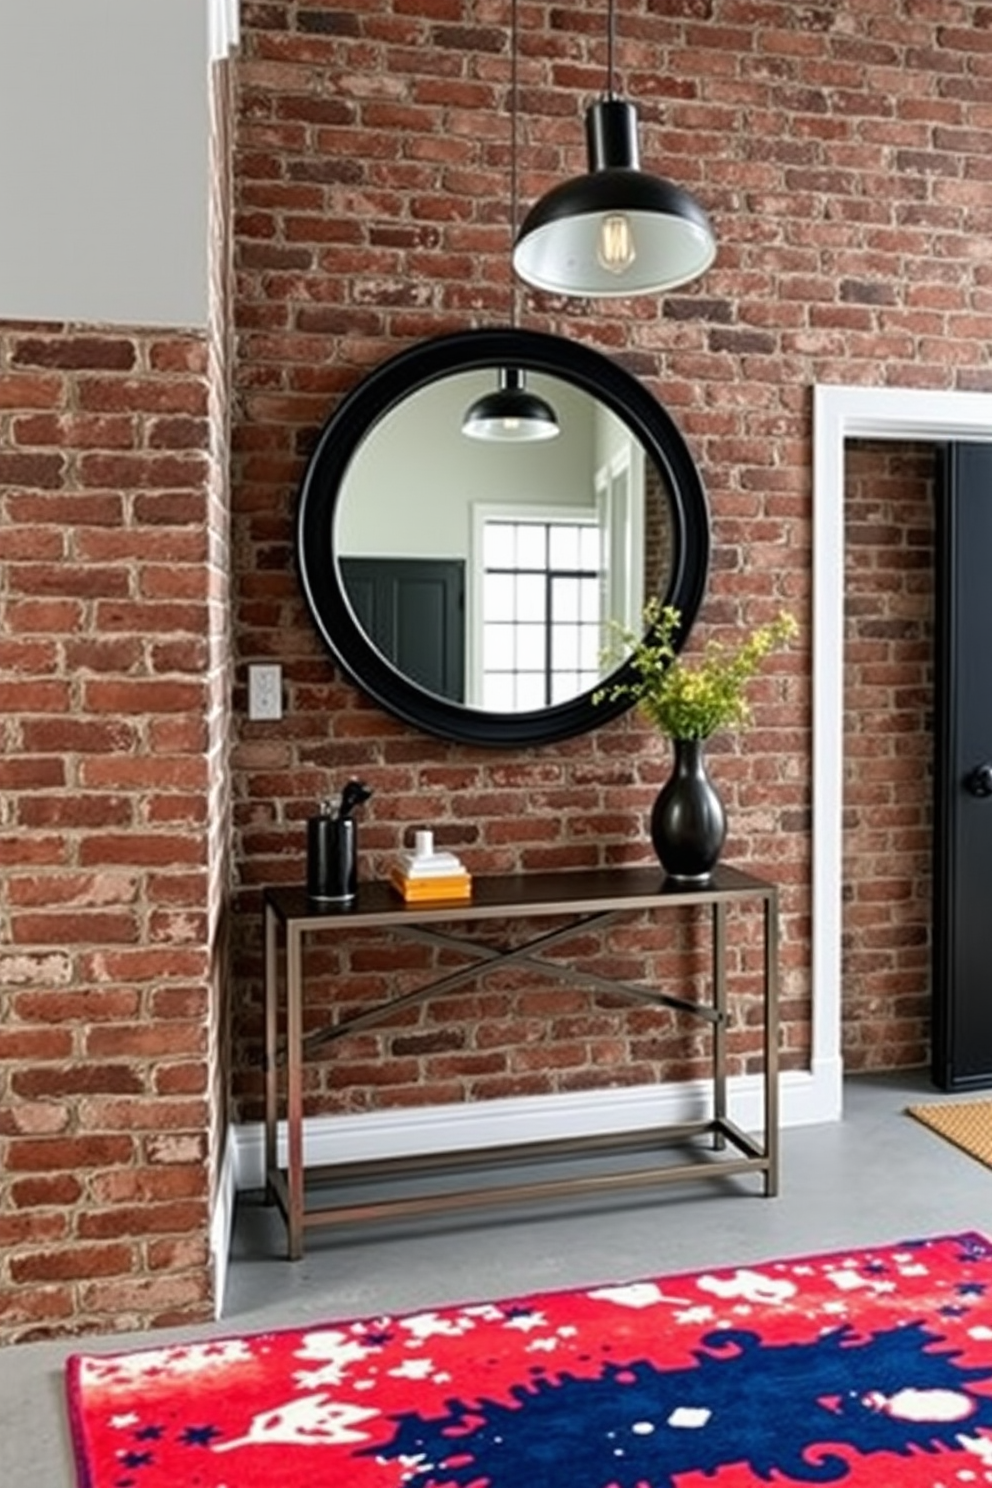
{"x":611,"y":24}
{"x":514,"y":288}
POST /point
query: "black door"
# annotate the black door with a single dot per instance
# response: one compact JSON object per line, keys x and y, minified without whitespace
{"x":413,"y":610}
{"x":962,"y":920}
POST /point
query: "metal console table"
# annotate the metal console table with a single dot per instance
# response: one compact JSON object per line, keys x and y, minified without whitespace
{"x":588,"y":900}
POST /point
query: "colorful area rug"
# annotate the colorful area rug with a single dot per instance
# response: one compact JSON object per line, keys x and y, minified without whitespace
{"x":968,"y":1124}
{"x":867,"y":1367}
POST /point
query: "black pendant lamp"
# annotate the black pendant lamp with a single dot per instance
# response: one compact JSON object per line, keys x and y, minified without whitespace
{"x":616,"y":230}
{"x":511,"y":413}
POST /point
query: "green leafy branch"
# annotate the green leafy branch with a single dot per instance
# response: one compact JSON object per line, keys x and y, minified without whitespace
{"x":685,"y":700}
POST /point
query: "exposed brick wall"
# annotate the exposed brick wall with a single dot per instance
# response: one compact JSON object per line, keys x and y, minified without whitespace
{"x":105,"y":934}
{"x":888,"y":752}
{"x":841,"y":150}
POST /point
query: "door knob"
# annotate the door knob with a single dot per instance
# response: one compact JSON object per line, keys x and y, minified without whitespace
{"x":979,"y":782}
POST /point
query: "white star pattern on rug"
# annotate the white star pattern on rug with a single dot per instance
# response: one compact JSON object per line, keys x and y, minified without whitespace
{"x":336,"y":1350}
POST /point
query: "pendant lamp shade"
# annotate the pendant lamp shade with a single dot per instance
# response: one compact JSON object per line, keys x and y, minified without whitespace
{"x":510,"y":413}
{"x":616,"y":230}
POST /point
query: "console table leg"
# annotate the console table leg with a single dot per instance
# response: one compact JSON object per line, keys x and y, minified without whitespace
{"x":271,"y":1068}
{"x":771,"y":1045}
{"x":294,"y":1090}
{"x":720,"y":1028}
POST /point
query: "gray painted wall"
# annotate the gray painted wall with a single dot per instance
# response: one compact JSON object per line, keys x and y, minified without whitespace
{"x":103,"y":161}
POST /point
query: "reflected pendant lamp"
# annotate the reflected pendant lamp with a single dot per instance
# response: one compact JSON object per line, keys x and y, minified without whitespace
{"x":511,"y":413}
{"x":616,"y":230}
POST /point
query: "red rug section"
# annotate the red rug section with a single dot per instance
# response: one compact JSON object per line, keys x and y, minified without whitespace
{"x":863,"y":1367}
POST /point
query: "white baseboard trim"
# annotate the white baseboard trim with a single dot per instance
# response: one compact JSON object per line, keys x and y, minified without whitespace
{"x":805,"y":1100}
{"x":222,"y":1219}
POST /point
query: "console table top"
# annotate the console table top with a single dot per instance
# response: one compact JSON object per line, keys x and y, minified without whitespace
{"x":498,"y":895}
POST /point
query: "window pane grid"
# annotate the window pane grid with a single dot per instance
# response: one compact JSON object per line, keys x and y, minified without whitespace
{"x":540,"y":623}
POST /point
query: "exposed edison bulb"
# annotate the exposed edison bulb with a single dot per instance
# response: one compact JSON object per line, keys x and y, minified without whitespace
{"x":616,"y":250}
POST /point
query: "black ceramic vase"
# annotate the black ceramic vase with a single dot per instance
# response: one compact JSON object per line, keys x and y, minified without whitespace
{"x":688,"y":822}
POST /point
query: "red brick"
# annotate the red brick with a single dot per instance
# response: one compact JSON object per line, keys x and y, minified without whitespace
{"x":179,"y":354}
{"x":138,"y":1113}
{"x":23,"y":1044}
{"x":177,"y":433}
{"x":172,"y":583}
{"x":142,"y":1220}
{"x":43,"y":1081}
{"x":140,"y":1042}
{"x":142,"y":849}
{"x":141,"y":696}
{"x":21,"y":469}
{"x":63,"y":1154}
{"x":172,"y":1256}
{"x":173,"y":508}
{"x":141,"y":395}
{"x":130,"y":471}
{"x":62,"y":509}
{"x":78,"y":736}
{"x":31,"y":774}
{"x":103,"y":654}
{"x":61,"y":617}
{"x":75,"y":889}
{"x":68,"y":579}
{"x":61,"y":1190}
{"x":109,"y":545}
{"x":39,"y":1229}
{"x":140,"y":773}
{"x":88,"y":1005}
{"x":182,"y":1002}
{"x":188,"y":735}
{"x":81,"y":1262}
{"x":144,"y":1185}
{"x":160,"y":1300}
{"x":182,"y":1079}
{"x":75,"y":431}
{"x":26,"y":543}
{"x":151,"y":619}
{"x":74,"y":352}
{"x":34,"y":697}
{"x":28,"y":657}
{"x":30,"y":390}
{"x":91,"y":927}
{"x":75,"y":811}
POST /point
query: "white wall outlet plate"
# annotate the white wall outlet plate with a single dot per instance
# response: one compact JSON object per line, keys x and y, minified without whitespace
{"x":265,"y":691}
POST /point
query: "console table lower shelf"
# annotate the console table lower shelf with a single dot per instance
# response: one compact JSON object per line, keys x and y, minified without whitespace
{"x":587,"y":900}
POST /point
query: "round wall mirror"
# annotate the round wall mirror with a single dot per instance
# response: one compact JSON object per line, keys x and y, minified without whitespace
{"x":473,"y":587}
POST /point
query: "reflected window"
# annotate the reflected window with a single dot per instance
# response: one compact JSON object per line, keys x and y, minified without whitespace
{"x":541,"y":630}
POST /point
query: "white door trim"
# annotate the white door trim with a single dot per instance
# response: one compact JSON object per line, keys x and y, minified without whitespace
{"x":841,"y":413}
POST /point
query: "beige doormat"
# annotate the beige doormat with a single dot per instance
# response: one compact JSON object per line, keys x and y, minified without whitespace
{"x":968,"y":1124}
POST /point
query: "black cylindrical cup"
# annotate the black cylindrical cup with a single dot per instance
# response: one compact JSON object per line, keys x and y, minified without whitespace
{"x":332,"y":862}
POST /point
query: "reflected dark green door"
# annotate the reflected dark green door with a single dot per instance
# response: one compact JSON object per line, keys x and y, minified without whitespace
{"x":413,"y":610}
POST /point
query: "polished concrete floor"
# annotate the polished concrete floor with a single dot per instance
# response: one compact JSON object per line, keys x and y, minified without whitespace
{"x":874,"y":1177}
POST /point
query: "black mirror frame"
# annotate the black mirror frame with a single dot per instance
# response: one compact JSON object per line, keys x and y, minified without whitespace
{"x":379,"y":392}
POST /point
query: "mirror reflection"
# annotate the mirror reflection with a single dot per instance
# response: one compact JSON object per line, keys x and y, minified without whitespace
{"x":489,"y":572}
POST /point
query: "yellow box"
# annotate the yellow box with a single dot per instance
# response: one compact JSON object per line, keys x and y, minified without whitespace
{"x":424,"y":890}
